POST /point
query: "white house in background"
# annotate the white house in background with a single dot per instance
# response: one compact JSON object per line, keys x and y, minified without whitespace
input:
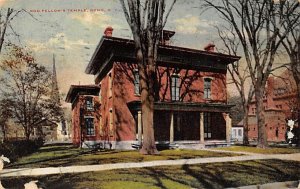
{"x":237,"y":132}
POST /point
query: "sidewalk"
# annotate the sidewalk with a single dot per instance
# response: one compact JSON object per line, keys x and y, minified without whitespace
{"x":103,"y":167}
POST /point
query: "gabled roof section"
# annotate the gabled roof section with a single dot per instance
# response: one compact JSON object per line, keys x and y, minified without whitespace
{"x":81,"y":90}
{"x":112,"y":49}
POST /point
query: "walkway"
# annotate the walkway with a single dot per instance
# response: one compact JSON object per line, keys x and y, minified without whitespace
{"x":103,"y":167}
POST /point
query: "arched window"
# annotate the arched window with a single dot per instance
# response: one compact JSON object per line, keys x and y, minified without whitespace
{"x":175,"y":87}
{"x":207,"y":88}
{"x":136,"y":82}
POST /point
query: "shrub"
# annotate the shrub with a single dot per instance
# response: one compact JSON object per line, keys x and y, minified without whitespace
{"x":19,"y":148}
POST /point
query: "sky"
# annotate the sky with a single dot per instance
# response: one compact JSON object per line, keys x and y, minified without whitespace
{"x":71,"y":30}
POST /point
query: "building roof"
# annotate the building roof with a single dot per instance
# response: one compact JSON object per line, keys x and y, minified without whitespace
{"x":81,"y":90}
{"x":46,"y":122}
{"x":112,"y":49}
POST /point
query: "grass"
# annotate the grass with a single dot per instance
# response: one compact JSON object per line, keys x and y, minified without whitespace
{"x":270,"y":150}
{"x":217,"y":175}
{"x":67,"y":155}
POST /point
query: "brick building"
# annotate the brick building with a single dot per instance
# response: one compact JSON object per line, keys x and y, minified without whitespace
{"x":190,"y":102}
{"x":85,"y":114}
{"x":279,"y":104}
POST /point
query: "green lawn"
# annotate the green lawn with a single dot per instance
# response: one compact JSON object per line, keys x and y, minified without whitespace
{"x":67,"y":155}
{"x":216,"y":175}
{"x":270,"y":150}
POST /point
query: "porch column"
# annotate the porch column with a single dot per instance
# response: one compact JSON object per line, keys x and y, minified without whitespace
{"x":140,"y":127}
{"x":172,"y":128}
{"x":228,"y":128}
{"x":201,"y":127}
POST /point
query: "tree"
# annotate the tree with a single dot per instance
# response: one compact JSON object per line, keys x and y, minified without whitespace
{"x":239,"y":76}
{"x":291,"y":43}
{"x":5,"y":114}
{"x":146,"y":21}
{"x":27,"y":86}
{"x":258,"y":25}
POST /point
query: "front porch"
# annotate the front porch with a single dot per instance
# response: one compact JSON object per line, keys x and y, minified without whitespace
{"x":187,"y":125}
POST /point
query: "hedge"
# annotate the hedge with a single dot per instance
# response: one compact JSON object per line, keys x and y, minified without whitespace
{"x":16,"y":149}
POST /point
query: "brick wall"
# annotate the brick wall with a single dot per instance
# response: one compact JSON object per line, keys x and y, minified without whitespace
{"x":191,"y":90}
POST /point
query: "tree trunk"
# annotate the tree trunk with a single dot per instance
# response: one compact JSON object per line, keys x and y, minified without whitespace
{"x":295,"y":67}
{"x":296,"y":75}
{"x":246,"y":128}
{"x":4,"y":131}
{"x":147,"y":103}
{"x":262,"y":138}
{"x":27,"y":135}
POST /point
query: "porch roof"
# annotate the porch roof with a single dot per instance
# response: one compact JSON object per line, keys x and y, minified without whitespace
{"x":184,"y":106}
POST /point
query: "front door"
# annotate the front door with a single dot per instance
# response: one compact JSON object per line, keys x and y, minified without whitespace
{"x":186,"y":126}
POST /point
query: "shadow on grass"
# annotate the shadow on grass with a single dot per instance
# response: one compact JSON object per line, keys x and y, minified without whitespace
{"x":217,"y":175}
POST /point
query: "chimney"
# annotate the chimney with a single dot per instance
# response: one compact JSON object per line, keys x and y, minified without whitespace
{"x":270,"y":93}
{"x":108,"y":31}
{"x":210,"y":47}
{"x":166,"y":36}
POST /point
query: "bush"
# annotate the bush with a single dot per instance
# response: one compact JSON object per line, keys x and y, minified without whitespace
{"x":16,"y":149}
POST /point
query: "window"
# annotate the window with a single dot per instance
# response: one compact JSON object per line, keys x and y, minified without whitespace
{"x":100,"y":95}
{"x":89,"y":103}
{"x":89,"y":125}
{"x":240,"y":132}
{"x":207,"y":88}
{"x":207,"y":125}
{"x":136,"y":82}
{"x":234,"y":133}
{"x":111,"y":123}
{"x":109,"y":85}
{"x":175,"y":87}
{"x":276,"y":132}
{"x":100,"y":126}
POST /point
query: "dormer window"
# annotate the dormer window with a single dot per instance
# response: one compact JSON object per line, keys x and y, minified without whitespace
{"x":136,"y":82}
{"x":207,"y":88}
{"x":89,"y":103}
{"x":175,"y":87}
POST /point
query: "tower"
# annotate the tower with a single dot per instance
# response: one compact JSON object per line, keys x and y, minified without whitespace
{"x":56,"y":98}
{"x":54,"y":89}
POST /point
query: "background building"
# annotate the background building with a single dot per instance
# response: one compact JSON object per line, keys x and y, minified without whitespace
{"x":279,"y":105}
